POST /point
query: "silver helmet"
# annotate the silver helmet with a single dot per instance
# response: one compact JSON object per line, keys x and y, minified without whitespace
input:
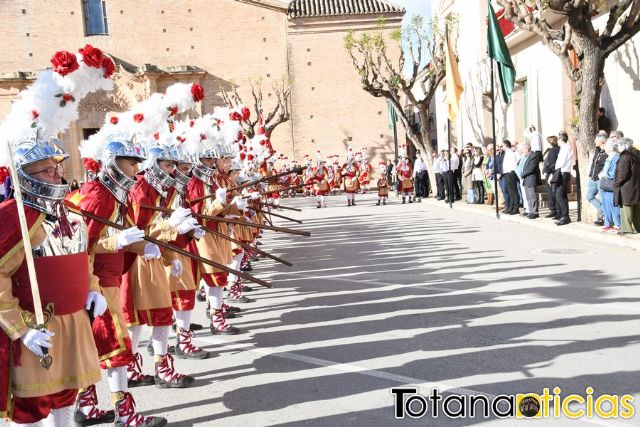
{"x":118,"y":146}
{"x":154,"y":175}
{"x":226,"y":151}
{"x":181,"y":156}
{"x":37,"y":194}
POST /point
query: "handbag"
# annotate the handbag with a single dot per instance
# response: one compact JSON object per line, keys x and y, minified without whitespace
{"x":607,"y":184}
{"x":556,"y":177}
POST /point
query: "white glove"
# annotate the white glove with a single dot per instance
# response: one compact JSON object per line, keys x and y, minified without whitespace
{"x":240,"y":203}
{"x":33,"y":339}
{"x":151,"y":251}
{"x":178,"y":216}
{"x":99,"y":303}
{"x":128,"y":237}
{"x":187,"y":225}
{"x":176,"y":268}
{"x":198,"y":233}
{"x":221,"y":195}
{"x":254,"y":195}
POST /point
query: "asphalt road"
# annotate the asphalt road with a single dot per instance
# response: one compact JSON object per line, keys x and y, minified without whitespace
{"x":413,"y":296}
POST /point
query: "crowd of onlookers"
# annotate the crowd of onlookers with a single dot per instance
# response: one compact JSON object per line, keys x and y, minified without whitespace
{"x":526,"y":175}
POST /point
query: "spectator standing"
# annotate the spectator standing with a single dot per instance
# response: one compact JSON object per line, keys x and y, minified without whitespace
{"x":437,"y":168}
{"x":627,"y":187}
{"x":467,"y":180}
{"x":389,"y":171}
{"x":549,"y":166}
{"x":530,"y":178}
{"x":502,"y":183}
{"x":478,"y":176}
{"x":421,"y":178}
{"x":599,"y":158}
{"x":489,"y":177}
{"x":535,"y":141}
{"x":603,"y":121}
{"x":456,"y":169}
{"x":607,"y":176}
{"x":447,"y":176}
{"x":509,"y":164}
{"x":562,"y":177}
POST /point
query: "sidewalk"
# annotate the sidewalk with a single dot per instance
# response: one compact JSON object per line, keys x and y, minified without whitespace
{"x":575,"y":229}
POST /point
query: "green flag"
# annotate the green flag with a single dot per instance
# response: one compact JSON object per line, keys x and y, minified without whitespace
{"x":497,"y":49}
{"x":391,"y":115}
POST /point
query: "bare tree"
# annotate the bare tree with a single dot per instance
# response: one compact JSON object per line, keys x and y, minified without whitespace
{"x":278,"y":115}
{"x":582,"y":50}
{"x":381,"y":72}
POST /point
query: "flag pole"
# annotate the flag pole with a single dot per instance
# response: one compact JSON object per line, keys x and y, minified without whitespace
{"x":495,"y":150}
{"x":450,"y":171}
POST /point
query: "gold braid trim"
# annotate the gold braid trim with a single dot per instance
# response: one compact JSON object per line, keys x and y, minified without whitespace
{"x":13,"y":251}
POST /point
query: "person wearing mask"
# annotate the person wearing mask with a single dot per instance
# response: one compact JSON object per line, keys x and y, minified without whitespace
{"x":599,"y":158}
{"x":550,"y":157}
{"x":627,"y":187}
{"x":562,"y":177}
{"x":607,"y":176}
{"x":509,"y":164}
{"x":478,"y":176}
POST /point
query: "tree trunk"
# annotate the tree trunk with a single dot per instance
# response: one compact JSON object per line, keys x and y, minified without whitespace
{"x":592,"y":68}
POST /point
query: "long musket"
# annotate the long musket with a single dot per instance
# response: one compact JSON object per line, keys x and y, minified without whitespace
{"x":249,"y":184}
{"x":180,"y":251}
{"x":277,"y":215}
{"x":271,"y":205}
{"x":232,"y":221}
{"x":41,"y":321}
{"x":247,"y":246}
{"x":263,"y":193}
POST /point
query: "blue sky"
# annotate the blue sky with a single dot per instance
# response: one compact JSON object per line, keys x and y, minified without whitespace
{"x":413,"y":7}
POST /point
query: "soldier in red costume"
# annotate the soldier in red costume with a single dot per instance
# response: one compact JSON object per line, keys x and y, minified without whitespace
{"x":106,"y":197}
{"x":183,"y":286}
{"x":383,"y":185}
{"x":319,"y":179}
{"x":145,"y":289}
{"x":405,"y":173}
{"x":365,"y":170}
{"x":212,"y":247}
{"x":350,"y":173}
{"x":30,"y":393}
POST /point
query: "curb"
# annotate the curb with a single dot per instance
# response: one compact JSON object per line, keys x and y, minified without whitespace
{"x":575,"y":229}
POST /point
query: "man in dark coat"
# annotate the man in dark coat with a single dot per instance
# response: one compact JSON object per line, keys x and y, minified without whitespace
{"x":626,"y":193}
{"x":530,"y":178}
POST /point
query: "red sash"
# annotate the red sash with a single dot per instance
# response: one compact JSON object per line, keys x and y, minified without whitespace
{"x":63,"y":280}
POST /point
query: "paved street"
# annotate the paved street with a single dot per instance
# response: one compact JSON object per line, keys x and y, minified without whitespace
{"x":385,"y":296}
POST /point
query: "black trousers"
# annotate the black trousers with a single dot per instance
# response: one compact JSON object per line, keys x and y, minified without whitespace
{"x":562,"y":190}
{"x":449,"y":185}
{"x":439,"y":186}
{"x":551,"y":197}
{"x":422,"y":184}
{"x":512,"y":188}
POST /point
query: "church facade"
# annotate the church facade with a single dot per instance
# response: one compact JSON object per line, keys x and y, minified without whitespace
{"x":221,"y":44}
